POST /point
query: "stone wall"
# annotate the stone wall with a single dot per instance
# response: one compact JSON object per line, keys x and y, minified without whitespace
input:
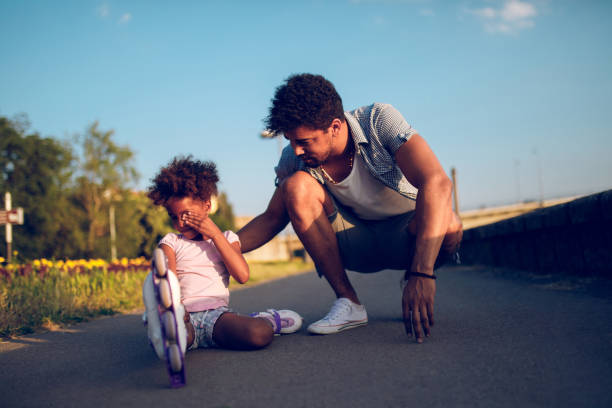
{"x":571,"y":238}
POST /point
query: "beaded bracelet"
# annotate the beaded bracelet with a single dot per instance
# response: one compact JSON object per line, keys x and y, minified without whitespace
{"x":404,"y":282}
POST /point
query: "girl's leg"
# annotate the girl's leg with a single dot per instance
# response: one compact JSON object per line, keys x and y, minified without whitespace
{"x":190,"y":329}
{"x":238,"y":332}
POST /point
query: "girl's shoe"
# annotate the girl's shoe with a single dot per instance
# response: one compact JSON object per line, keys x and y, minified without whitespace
{"x":283,"y":321}
{"x":164,"y":318}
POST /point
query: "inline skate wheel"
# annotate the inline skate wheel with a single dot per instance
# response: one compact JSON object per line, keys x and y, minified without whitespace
{"x":174,"y":355}
{"x":169,"y":326}
{"x":165,"y":296}
{"x":159,"y":260}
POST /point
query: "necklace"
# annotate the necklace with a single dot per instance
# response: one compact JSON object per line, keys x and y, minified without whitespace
{"x":350,"y":165}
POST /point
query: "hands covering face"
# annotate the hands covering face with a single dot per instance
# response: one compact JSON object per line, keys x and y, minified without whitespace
{"x":201,"y":223}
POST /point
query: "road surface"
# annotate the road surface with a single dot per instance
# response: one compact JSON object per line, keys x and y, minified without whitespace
{"x":500,"y":340}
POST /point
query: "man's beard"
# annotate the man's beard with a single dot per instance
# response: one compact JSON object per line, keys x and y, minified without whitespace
{"x":311,"y":162}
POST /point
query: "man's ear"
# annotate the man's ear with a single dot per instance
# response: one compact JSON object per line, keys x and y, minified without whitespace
{"x":335,"y":126}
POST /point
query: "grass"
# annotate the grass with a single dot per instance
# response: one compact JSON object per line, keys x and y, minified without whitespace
{"x":31,"y":300}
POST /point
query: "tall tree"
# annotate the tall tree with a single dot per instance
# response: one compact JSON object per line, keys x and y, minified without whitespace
{"x":36,"y":171}
{"x":224,"y":216}
{"x":140,"y":225}
{"x":105,"y":172}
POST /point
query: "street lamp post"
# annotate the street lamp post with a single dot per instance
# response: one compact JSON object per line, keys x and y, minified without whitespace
{"x":268,"y":134}
{"x":108,"y":194}
{"x":455,"y":192}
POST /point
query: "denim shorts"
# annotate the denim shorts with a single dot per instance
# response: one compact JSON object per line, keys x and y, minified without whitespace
{"x":204,"y":322}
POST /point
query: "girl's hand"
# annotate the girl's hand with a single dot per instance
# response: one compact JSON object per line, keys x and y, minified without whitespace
{"x":202,"y":224}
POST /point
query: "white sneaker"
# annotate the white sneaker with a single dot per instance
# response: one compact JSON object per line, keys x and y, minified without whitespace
{"x":282,"y":321}
{"x":343,"y":315}
{"x":164,"y":318}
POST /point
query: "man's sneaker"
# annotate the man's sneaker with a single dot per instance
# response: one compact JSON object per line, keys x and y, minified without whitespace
{"x":343,"y":315}
{"x":163,"y":317}
{"x":283,"y":321}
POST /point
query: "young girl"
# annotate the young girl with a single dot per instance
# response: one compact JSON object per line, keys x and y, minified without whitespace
{"x":203,"y":258}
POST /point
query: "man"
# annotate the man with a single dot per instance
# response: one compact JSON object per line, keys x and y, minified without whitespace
{"x":363,"y":191}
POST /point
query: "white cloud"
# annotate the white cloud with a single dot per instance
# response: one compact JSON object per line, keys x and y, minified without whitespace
{"x":125,"y":18}
{"x":512,"y":17}
{"x":427,"y":12}
{"x":103,"y":10}
{"x":515,"y":10}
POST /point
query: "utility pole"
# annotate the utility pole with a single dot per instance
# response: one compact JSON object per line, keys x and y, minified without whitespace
{"x":455,"y":193}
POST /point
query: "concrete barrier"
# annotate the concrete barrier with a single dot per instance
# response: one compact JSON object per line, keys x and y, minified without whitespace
{"x":571,"y":238}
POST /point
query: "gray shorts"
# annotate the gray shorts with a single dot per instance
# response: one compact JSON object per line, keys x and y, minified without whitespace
{"x":373,"y":245}
{"x":204,"y":322}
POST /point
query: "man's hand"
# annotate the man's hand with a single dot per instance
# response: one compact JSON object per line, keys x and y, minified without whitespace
{"x":202,"y":224}
{"x":418,"y":306}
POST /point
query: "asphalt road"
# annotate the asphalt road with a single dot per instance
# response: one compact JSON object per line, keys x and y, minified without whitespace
{"x":500,"y":340}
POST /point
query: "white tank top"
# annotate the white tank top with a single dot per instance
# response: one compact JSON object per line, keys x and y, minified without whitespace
{"x":366,"y":196}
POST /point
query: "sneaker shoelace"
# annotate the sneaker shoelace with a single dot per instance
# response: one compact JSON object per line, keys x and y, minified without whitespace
{"x":338,"y":309}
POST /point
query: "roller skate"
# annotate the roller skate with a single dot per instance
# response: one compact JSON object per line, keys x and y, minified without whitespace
{"x":164,"y":318}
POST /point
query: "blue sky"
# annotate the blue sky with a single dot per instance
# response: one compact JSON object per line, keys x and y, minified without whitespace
{"x":499,"y":89}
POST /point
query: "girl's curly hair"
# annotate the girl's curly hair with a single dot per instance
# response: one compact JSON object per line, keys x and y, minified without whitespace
{"x":304,"y":100}
{"x":184,"y":177}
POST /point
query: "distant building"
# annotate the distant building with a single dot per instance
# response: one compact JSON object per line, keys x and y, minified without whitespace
{"x":283,"y":247}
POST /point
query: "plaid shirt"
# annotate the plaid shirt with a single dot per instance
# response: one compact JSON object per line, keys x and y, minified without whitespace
{"x":378,"y":130}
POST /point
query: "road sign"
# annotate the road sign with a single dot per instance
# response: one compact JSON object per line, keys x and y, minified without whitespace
{"x":14,"y":216}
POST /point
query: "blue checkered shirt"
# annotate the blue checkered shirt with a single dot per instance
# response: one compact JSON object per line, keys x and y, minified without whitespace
{"x":378,"y":130}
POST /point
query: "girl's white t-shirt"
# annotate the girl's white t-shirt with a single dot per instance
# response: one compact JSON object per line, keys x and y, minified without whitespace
{"x":201,"y":273}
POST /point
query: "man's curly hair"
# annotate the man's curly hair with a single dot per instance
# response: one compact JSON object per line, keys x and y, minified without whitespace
{"x":184,"y":177}
{"x":304,"y":100}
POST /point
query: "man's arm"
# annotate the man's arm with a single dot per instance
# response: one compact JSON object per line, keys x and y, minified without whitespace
{"x":433,"y":205}
{"x":433,"y":215}
{"x":265,"y":226}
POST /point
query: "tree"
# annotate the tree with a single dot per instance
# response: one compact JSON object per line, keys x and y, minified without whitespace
{"x":140,"y":225}
{"x":224,"y":216}
{"x":105,"y":172}
{"x":36,"y":171}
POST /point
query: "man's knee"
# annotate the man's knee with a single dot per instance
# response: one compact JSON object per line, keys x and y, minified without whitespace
{"x":299,"y":185}
{"x":301,"y":190}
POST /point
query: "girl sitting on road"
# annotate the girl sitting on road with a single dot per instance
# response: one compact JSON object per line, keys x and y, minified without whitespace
{"x":193,"y":311}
